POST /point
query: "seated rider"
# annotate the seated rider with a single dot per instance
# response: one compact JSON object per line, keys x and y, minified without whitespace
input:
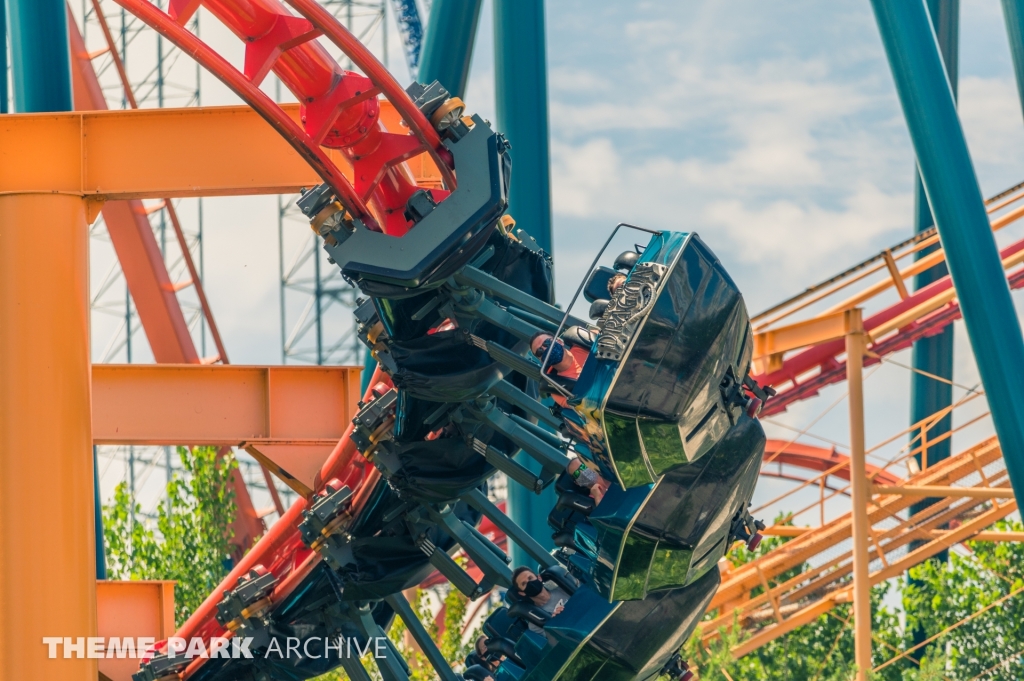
{"x":588,"y":478}
{"x":564,"y":364}
{"x":616,"y":282}
{"x":547,"y":596}
{"x":481,"y":657}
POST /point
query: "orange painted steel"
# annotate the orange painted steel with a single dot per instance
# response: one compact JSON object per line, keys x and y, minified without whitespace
{"x":46,"y":470}
{"x":198,"y":151}
{"x":807,"y":575}
{"x":770,"y":344}
{"x":89,"y":97}
{"x":221,"y":405}
{"x":133,"y":238}
{"x":143,"y":608}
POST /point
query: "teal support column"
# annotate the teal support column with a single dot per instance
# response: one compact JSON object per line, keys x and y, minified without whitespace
{"x":934,"y":355}
{"x":521,"y":96}
{"x":956,"y":203}
{"x":448,"y":47}
{"x":4,"y":105}
{"x":40,"y":55}
{"x":101,"y":553}
{"x":530,"y":512}
{"x":369,"y":366}
{"x":1013,"y":14}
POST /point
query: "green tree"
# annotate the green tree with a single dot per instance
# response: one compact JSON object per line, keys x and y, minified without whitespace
{"x":822,"y":650}
{"x":989,"y":578}
{"x":947,"y":603}
{"x":189,"y":541}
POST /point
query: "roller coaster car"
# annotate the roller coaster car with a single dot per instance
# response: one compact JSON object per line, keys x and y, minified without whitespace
{"x":661,"y":406}
{"x":594,"y":640}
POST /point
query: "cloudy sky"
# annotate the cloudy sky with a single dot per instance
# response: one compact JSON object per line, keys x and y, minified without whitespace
{"x":772,"y":129}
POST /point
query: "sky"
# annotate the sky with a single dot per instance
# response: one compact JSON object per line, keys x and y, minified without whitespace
{"x":771,"y":129}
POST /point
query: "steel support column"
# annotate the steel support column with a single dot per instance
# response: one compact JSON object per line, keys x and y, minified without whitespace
{"x":45,"y":430}
{"x":448,"y":47}
{"x":934,"y":354}
{"x":4,"y":107}
{"x":1013,"y":14}
{"x":859,"y":494}
{"x":521,"y":95}
{"x":956,"y":203}
{"x":45,"y":413}
{"x":40,"y":56}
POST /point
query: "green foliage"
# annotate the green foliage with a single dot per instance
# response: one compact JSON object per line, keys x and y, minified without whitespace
{"x":449,"y":641}
{"x":822,"y":650}
{"x":419,"y":666}
{"x":990,"y":644}
{"x":190,"y":540}
{"x":451,"y":645}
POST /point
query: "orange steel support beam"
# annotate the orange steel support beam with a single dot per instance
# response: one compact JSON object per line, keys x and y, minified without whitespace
{"x":770,"y":345}
{"x":796,"y":594}
{"x":47,"y":555}
{"x":802,"y":549}
{"x":945,"y":491}
{"x":289,"y":418}
{"x":221,"y":405}
{"x":132,"y":610}
{"x":133,"y":238}
{"x":150,"y":153}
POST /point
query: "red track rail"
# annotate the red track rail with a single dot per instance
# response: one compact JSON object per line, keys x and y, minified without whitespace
{"x":820,"y":459}
{"x":792,"y":380}
{"x":339,"y":108}
{"x":281,"y":550}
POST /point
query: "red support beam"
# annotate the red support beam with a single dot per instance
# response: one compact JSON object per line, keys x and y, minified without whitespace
{"x":133,"y":239}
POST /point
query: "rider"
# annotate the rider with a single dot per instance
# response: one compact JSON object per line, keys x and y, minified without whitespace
{"x":588,"y":478}
{"x":547,"y":596}
{"x":560,"y":363}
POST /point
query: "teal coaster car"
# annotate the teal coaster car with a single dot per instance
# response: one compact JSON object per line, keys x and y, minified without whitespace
{"x":660,"y":405}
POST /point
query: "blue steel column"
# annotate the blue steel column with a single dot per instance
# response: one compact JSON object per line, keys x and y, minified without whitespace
{"x":521,"y":94}
{"x":4,"y":108}
{"x":101,"y":553}
{"x":934,"y":355}
{"x":1013,"y":13}
{"x":956,"y":203}
{"x":40,"y":56}
{"x":448,"y":47}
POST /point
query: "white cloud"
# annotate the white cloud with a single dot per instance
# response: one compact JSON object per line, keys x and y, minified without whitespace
{"x":990,"y":111}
